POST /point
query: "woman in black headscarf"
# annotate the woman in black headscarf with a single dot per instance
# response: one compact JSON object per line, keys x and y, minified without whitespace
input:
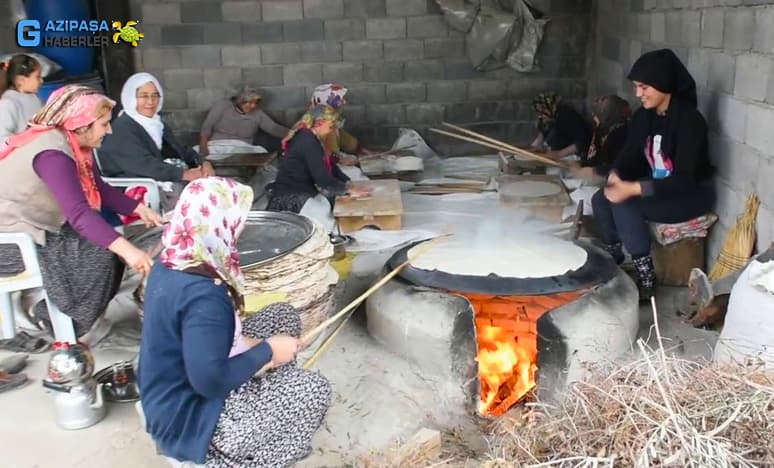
{"x":560,"y":127}
{"x":663,"y":173}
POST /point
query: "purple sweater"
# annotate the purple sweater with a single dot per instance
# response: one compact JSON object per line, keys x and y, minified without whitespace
{"x":59,"y":173}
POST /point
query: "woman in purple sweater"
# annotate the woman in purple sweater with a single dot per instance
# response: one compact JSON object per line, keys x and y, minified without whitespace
{"x":50,"y":188}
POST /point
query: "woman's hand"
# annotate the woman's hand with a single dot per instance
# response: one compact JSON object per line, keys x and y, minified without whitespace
{"x":148,"y":216}
{"x":348,"y":160}
{"x":192,"y":174}
{"x":283,"y":348}
{"x":207,"y":169}
{"x":360,"y":190}
{"x":618,"y":191}
{"x":139,"y":260}
{"x":579,"y":172}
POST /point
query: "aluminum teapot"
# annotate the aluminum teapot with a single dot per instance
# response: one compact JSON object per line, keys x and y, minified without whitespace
{"x":70,"y":363}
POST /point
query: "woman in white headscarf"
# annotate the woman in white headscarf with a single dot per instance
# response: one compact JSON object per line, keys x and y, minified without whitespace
{"x":143,"y":146}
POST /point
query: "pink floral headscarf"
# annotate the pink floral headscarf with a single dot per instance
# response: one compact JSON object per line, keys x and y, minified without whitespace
{"x":204,"y":229}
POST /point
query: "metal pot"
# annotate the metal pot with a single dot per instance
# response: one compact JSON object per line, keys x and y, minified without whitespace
{"x":119,"y":382}
{"x":340,"y":242}
{"x":70,"y":363}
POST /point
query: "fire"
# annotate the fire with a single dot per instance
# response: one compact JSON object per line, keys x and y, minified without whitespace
{"x":505,"y":367}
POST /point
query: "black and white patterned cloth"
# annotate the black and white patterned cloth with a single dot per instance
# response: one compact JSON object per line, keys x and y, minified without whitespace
{"x":269,"y":421}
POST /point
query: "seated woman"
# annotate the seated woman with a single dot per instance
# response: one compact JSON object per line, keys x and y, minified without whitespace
{"x":561,"y":129}
{"x":663,"y":173}
{"x":201,"y":397}
{"x":611,"y":116}
{"x":342,"y":146}
{"x":20,"y":81}
{"x":50,"y":188}
{"x":141,"y":145}
{"x":232,"y":124}
{"x":307,"y":168}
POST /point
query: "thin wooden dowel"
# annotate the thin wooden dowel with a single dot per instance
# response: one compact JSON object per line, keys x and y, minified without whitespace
{"x":325,"y":344}
{"x":384,"y":153}
{"x":514,"y":149}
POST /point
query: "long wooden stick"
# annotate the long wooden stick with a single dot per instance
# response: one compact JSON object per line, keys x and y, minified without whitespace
{"x":514,"y":149}
{"x":384,"y":153}
{"x":325,"y":344}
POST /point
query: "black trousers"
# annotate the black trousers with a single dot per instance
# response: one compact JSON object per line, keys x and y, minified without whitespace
{"x":627,"y":222}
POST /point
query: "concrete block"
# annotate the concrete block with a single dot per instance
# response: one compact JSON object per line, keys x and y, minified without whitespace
{"x":323,"y":8}
{"x":188,"y":34}
{"x":348,"y":29}
{"x":744,"y":167}
{"x":643,"y":27}
{"x":444,"y":47}
{"x":691,"y":26}
{"x":222,"y":33}
{"x":658,"y":27}
{"x":200,"y":56}
{"x":241,"y":56}
{"x":183,"y":79}
{"x":480,"y":112}
{"x":321,"y":51}
{"x":404,"y":49}
{"x":752,"y":76}
{"x":406,"y":92}
{"x":203,"y":99}
{"x":261,"y":33}
{"x":280,"y":53}
{"x":363,"y":51}
{"x":200,"y":12}
{"x":712,"y":27}
{"x":342,"y":72}
{"x":175,"y":100}
{"x":354,"y":113}
{"x":427,"y":26}
{"x":168,"y":57}
{"x":674,"y":27}
{"x":770,"y":90}
{"x":241,"y":12}
{"x":305,"y":30}
{"x":764,"y":228}
{"x":765,"y":189}
{"x":160,"y":13}
{"x":366,"y":94}
{"x":284,"y":97}
{"x":365,"y":8}
{"x":228,"y":78}
{"x":424,"y":113}
{"x":722,"y":68}
{"x":763,"y":40}
{"x":447,"y":91}
{"x":391,"y":114}
{"x":459,"y":69}
{"x":739,"y":29}
{"x":302,"y":73}
{"x":388,"y":72}
{"x":611,"y":48}
{"x":406,"y":7}
{"x":487,"y":90}
{"x":760,"y":135}
{"x":185,"y":121}
{"x":386,"y":28}
{"x":424,"y":70}
{"x":263,"y":76}
{"x":572,"y":6}
{"x":282,"y":10}
{"x":698,"y":65}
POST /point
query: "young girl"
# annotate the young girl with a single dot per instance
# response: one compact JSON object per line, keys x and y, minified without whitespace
{"x":20,"y":81}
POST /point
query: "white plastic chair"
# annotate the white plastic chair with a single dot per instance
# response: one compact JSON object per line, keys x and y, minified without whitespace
{"x":153,"y":195}
{"x":30,"y":278}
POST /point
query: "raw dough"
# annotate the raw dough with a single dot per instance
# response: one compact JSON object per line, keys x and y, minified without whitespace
{"x":449,"y":181}
{"x":523,"y":257}
{"x":408,"y":163}
{"x":529,"y":188}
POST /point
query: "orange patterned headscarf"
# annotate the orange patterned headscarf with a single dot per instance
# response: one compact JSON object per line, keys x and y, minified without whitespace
{"x":68,"y":109}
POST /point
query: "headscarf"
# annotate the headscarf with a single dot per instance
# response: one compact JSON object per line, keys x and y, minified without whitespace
{"x":331,"y":94}
{"x":546,"y":105}
{"x":204,"y":228}
{"x":663,"y":70}
{"x":152,"y":125}
{"x":68,"y":108}
{"x":613,"y":112}
{"x":312,"y":118}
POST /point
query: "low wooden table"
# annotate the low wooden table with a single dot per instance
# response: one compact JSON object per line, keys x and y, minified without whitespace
{"x":383,"y":208}
{"x":246,"y":162}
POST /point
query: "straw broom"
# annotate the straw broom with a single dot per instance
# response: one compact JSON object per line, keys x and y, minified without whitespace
{"x":739,"y":243}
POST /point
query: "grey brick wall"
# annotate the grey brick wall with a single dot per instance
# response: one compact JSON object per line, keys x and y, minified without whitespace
{"x":728,"y":45}
{"x":402,"y":63}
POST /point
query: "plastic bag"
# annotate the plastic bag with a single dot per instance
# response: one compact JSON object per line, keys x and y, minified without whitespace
{"x":47,"y":66}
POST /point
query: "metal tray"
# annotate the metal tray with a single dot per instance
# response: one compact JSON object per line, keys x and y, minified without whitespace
{"x":269,"y":235}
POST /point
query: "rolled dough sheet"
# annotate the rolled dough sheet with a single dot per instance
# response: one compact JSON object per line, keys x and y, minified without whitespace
{"x":530,"y":188}
{"x":408,"y":163}
{"x":533,"y":257}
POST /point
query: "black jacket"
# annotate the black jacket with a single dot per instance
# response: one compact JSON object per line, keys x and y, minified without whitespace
{"x":607,"y":153}
{"x":302,"y":169}
{"x":130,"y":152}
{"x":568,"y":128}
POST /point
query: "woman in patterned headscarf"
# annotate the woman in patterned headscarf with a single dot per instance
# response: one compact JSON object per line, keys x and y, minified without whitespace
{"x":611,"y":116}
{"x":307,"y":167}
{"x":201,"y":397}
{"x":561,"y":129}
{"x":50,"y":189}
{"x":343,"y":142}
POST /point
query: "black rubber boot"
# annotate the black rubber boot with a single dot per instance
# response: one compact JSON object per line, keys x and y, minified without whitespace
{"x":615,"y":251}
{"x":646,"y":277}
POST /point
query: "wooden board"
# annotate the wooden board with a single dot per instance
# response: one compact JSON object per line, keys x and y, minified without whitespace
{"x":244,"y":160}
{"x":383,"y":209}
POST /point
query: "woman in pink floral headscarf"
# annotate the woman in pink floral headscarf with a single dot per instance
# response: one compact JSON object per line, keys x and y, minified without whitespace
{"x":198,"y":360}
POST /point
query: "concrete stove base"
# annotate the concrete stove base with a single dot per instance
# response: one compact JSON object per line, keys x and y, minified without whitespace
{"x":435,"y":331}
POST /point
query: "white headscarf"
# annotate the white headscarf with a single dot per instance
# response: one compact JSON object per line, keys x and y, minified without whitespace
{"x":152,"y":125}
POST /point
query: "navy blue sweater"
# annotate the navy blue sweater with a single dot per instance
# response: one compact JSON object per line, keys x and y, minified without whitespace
{"x":185,"y":373}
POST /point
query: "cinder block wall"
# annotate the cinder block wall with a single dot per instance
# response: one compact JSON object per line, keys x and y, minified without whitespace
{"x":728,"y":45}
{"x":402,"y":64}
